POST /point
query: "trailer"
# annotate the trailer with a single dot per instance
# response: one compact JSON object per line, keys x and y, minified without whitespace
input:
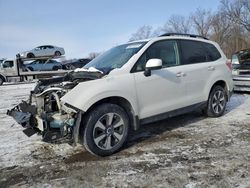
{"x":14,"y":70}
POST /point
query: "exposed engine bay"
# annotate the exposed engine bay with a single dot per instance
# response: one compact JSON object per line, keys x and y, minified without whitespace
{"x":43,"y":112}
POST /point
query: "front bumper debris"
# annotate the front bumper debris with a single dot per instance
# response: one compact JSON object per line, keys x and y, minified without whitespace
{"x":53,"y":127}
{"x":24,"y":114}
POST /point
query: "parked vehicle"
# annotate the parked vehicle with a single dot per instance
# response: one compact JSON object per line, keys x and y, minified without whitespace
{"x":241,"y":70}
{"x":41,"y":51}
{"x":43,"y":65}
{"x":19,"y":69}
{"x":74,"y":64}
{"x":131,"y":84}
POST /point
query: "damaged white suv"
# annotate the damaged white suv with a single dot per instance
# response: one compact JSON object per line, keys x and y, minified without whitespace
{"x":130,"y":85}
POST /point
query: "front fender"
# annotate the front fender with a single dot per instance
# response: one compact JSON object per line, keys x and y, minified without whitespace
{"x":85,"y":94}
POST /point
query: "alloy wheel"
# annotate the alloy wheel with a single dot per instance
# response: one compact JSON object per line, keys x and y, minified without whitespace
{"x":218,"y":102}
{"x":108,"y":131}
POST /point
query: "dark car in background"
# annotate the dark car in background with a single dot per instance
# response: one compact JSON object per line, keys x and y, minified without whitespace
{"x":75,"y":63}
{"x":43,"y":65}
{"x":241,"y":70}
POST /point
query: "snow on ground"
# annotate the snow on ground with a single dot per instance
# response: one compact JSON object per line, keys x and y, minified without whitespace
{"x":186,"y":151}
{"x":16,"y":147}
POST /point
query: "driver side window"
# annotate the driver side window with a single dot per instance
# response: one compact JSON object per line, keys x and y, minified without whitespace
{"x":8,"y":64}
{"x":166,"y":50}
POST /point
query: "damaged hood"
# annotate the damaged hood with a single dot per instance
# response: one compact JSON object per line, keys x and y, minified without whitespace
{"x":91,"y":69}
{"x":69,"y":81}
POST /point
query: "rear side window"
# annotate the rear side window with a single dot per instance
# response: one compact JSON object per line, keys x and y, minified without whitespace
{"x":213,"y":53}
{"x":198,"y":52}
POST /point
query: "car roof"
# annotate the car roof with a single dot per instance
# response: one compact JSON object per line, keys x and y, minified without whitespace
{"x":176,"y":36}
{"x":46,"y":46}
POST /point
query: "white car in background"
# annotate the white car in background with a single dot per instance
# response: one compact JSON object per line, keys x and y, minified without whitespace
{"x":40,"y":51}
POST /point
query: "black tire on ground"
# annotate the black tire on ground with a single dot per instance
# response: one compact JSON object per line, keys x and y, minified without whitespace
{"x":57,"y":53}
{"x":106,"y":129}
{"x":30,"y":55}
{"x":1,"y":81}
{"x":217,"y":100}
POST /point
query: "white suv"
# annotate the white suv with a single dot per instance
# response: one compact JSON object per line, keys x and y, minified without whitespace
{"x":130,"y":85}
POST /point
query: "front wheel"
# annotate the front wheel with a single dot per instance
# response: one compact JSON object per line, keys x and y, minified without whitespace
{"x":30,"y":55}
{"x":217,"y":100}
{"x":106,"y":129}
{"x":57,"y":53}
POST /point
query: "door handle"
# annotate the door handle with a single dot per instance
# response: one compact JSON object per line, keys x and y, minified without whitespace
{"x":180,"y":74}
{"x":211,"y":68}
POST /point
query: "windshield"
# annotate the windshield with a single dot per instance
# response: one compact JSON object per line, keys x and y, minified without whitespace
{"x":115,"y":57}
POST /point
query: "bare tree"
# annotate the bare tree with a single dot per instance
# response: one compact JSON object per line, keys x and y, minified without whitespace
{"x":220,"y":28}
{"x":143,"y":32}
{"x":238,"y":11}
{"x":202,"y":20}
{"x":177,"y":24}
{"x":93,"y":55}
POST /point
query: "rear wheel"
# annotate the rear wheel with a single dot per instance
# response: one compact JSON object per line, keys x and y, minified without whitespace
{"x":216,"y":102}
{"x":106,"y":129}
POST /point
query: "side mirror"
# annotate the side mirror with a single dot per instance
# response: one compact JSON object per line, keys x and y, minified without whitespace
{"x":152,"y":64}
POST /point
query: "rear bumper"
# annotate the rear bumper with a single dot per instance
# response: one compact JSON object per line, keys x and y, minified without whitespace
{"x":241,"y":82}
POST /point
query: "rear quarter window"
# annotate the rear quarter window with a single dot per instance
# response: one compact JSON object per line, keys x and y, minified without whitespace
{"x":212,"y":52}
{"x":198,"y":52}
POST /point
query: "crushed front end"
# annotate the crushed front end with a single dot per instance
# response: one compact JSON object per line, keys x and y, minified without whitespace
{"x":43,"y":113}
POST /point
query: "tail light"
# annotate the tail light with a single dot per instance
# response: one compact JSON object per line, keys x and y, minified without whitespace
{"x":229,"y":64}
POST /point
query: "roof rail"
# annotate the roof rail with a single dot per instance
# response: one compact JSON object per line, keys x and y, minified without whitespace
{"x":183,"y":34}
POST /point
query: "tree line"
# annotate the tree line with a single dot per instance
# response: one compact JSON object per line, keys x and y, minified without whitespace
{"x":229,"y":26}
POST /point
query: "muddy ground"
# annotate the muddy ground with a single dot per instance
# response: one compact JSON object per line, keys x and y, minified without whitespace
{"x":186,"y":151}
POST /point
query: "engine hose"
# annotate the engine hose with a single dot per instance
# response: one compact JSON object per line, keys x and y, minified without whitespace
{"x":57,"y":101}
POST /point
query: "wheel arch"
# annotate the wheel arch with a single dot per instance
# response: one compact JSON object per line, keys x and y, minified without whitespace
{"x":30,"y":54}
{"x":3,"y":77}
{"x":122,"y":102}
{"x":223,"y":84}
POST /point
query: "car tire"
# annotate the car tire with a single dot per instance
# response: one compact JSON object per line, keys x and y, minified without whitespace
{"x":57,"y":53}
{"x":1,"y":81}
{"x":217,"y":100}
{"x":106,"y":129}
{"x":55,"y":68}
{"x":30,"y":55}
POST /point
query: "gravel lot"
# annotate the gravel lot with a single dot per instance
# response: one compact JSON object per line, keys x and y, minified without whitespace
{"x":186,"y":151}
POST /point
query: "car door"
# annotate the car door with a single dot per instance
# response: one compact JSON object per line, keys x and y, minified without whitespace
{"x":198,"y":68}
{"x":37,"y":65}
{"x":165,"y":89}
{"x":9,"y":68}
{"x":39,"y":51}
{"x":50,"y":50}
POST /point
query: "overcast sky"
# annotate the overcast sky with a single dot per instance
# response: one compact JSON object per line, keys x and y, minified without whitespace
{"x":83,"y":26}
